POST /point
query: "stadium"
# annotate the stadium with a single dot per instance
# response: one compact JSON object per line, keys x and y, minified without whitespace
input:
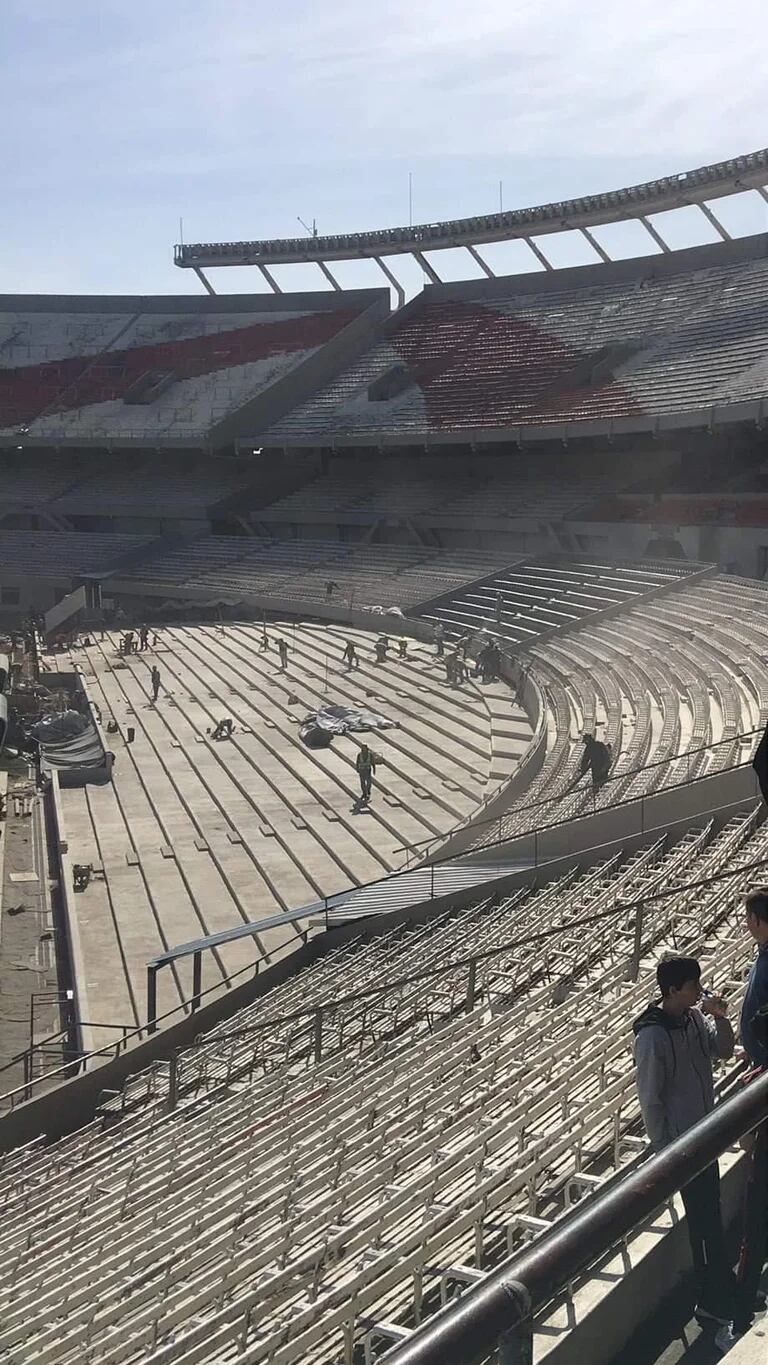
{"x":320,"y":950}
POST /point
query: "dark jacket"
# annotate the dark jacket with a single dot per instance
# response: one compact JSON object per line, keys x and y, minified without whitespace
{"x":597,"y":756}
{"x":674,"y":1069}
{"x":756,"y":998}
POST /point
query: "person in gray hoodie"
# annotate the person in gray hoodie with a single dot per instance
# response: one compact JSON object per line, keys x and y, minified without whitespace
{"x":676,"y":1040}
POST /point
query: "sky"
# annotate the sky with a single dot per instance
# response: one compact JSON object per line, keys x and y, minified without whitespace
{"x":121,"y":117}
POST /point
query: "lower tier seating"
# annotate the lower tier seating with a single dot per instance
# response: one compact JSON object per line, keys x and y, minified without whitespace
{"x":305,"y":1203}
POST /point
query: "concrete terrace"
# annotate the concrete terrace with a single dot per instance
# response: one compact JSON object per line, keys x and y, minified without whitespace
{"x":195,"y":836}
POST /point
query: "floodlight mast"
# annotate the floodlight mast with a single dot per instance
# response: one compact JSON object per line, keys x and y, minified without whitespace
{"x":695,"y":188}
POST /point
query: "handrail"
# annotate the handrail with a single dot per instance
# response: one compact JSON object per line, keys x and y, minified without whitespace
{"x":317,"y":907}
{"x":424,"y":974}
{"x":615,"y":777}
{"x":471,"y":960}
{"x":499,"y":1311}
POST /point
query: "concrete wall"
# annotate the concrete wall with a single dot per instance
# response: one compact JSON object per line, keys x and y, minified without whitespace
{"x":737,"y":548}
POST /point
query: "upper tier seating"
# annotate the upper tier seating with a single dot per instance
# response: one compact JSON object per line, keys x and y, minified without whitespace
{"x":366,"y":574}
{"x":64,"y":554}
{"x":520,"y":352}
{"x":79,"y":368}
{"x":427,"y":489}
{"x":308,"y":1212}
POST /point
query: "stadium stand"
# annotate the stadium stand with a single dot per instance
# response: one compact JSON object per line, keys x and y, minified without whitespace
{"x":194,"y":836}
{"x":65,"y":554}
{"x":429,"y":489}
{"x":623,"y":343}
{"x":297,"y":1209}
{"x":368,"y":574}
{"x":137,"y":369}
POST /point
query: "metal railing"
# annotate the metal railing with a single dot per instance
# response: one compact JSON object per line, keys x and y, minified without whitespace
{"x":314,"y":1015}
{"x":688,"y":756}
{"x":495,"y":1318}
{"x":425,"y":882}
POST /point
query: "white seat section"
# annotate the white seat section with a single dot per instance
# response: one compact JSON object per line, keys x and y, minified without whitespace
{"x":301,"y":1210}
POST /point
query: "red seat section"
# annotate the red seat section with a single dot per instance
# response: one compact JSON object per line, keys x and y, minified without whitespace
{"x":28,"y":391}
{"x":478,"y":366}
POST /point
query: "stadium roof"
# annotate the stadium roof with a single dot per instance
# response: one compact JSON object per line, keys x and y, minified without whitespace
{"x":694,"y":187}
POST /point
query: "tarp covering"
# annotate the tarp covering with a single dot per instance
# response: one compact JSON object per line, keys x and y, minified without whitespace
{"x":70,"y":742}
{"x":319,"y":727}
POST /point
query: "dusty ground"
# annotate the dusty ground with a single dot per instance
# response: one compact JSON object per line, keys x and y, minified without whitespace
{"x":28,"y":972}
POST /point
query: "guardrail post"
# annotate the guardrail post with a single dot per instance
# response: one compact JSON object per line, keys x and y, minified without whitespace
{"x":317,"y":1031}
{"x":173,"y":1080}
{"x":637,"y":944}
{"x":432,"y":884}
{"x":516,"y":1346}
{"x":151,"y":999}
{"x":471,"y":981}
{"x":197,"y":979}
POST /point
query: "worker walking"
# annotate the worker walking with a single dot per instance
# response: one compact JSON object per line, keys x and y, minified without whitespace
{"x":282,"y":649}
{"x":155,"y":676}
{"x":597,"y":760}
{"x":439,"y":640}
{"x":144,"y":638}
{"x":366,"y":767}
{"x":349,"y":657}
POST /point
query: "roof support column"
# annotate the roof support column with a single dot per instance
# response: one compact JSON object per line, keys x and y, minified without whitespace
{"x":396,"y":285}
{"x":708,"y":214}
{"x":595,"y":245}
{"x":329,"y":276}
{"x":271,"y":281}
{"x":653,"y":232}
{"x":538,"y":253}
{"x":427,"y":268}
{"x":204,"y":282}
{"x":475,"y":254}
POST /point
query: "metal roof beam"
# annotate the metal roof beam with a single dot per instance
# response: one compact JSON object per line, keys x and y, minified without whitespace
{"x":706,"y":210}
{"x":271,"y":281}
{"x":538,"y":253}
{"x":396,"y":285}
{"x":595,"y":245}
{"x":329,"y":276}
{"x":426,"y":267}
{"x":654,"y":233}
{"x":204,"y":282}
{"x":475,"y":254}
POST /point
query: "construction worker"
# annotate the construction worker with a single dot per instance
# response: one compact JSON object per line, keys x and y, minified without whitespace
{"x":366,"y":767}
{"x":282,"y":649}
{"x":381,"y":646}
{"x":596,"y":759}
{"x":155,"y":676}
{"x":402,"y":648}
{"x":223,"y":729}
{"x":439,"y":640}
{"x":499,"y":607}
{"x":349,"y":657}
{"x":144,"y":638}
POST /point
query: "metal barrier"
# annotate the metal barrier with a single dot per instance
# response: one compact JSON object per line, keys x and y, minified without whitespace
{"x":497,"y":1315}
{"x":314,"y":1014}
{"x":435,"y":879}
{"x":555,"y":802}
